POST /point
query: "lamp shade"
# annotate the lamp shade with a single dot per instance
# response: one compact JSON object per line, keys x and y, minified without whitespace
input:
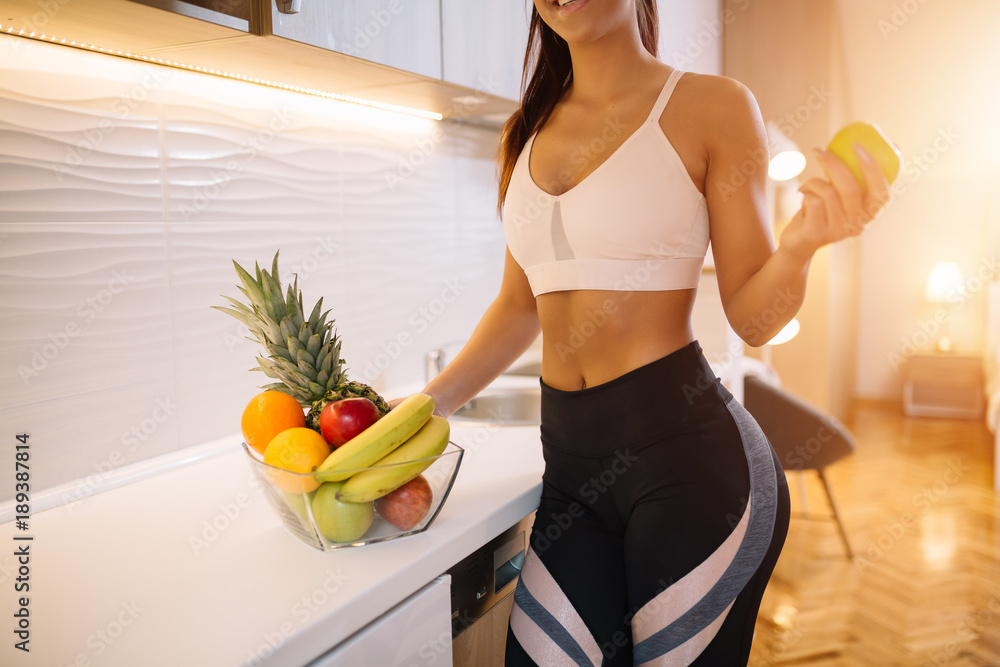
{"x":786,"y":161}
{"x":788,"y":332}
{"x":943,"y":282}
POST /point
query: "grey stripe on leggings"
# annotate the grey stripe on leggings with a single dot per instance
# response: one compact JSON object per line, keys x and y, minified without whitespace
{"x":763,"y":511}
{"x":550,"y":625}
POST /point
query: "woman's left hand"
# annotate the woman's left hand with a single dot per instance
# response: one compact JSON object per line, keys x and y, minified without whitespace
{"x":837,"y":208}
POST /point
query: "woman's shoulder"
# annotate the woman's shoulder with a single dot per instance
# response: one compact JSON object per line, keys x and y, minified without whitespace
{"x":723,"y":108}
{"x":713,"y":92}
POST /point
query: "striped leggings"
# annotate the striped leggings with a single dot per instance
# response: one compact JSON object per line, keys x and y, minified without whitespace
{"x":663,"y":512}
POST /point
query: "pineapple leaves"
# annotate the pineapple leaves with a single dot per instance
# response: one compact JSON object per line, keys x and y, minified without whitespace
{"x":305,"y":368}
{"x":293,"y":348}
{"x":251,"y":287}
{"x":304,"y":334}
{"x":302,"y":354}
{"x":314,"y":316}
{"x":313,"y":345}
{"x":287,"y":331}
{"x":305,"y":359}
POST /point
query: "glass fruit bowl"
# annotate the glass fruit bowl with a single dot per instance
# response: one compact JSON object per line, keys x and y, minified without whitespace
{"x":310,"y":510}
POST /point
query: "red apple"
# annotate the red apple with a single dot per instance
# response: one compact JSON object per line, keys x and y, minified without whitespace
{"x":406,"y":506}
{"x":342,"y":420}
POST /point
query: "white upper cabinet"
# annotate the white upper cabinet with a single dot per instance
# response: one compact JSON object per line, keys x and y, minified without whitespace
{"x":484,"y":44}
{"x":405,"y":34}
{"x":691,"y":33}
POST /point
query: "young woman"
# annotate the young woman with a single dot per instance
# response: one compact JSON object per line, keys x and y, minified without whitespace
{"x":663,"y":507}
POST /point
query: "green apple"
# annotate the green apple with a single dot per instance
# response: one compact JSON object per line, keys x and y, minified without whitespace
{"x":872,"y":139}
{"x":339,"y":521}
{"x":297,"y":503}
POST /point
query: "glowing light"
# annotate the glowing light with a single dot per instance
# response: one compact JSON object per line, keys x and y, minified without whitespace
{"x":943,"y":282}
{"x":399,"y":109}
{"x":790,"y":331}
{"x":786,"y":165}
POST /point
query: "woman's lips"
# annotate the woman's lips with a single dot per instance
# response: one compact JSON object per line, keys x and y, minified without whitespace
{"x":570,"y":8}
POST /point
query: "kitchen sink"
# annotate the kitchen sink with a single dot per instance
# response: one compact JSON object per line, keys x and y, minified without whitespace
{"x":502,"y":407}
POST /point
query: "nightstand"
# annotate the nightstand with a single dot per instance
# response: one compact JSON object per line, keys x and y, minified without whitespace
{"x":943,"y":385}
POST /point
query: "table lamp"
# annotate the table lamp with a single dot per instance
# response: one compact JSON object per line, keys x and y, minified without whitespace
{"x":788,"y":332}
{"x":786,"y":161}
{"x":944,"y":285}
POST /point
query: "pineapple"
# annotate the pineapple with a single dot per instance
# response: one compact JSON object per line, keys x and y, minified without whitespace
{"x":303,"y":354}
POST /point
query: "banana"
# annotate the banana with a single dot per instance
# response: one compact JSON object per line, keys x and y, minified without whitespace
{"x":377,"y":440}
{"x":412,"y":457}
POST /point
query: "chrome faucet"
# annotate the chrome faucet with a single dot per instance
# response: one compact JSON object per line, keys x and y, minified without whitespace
{"x":437,"y":359}
{"x":433,"y":364}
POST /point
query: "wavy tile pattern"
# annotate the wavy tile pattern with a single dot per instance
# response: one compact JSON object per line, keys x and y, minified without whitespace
{"x":125,"y":193}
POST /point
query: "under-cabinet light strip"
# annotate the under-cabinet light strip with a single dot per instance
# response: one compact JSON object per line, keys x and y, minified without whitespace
{"x":10,"y":30}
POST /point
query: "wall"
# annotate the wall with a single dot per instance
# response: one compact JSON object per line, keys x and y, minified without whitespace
{"x":787,"y":52}
{"x":691,"y":34}
{"x":127,"y":190}
{"x":926,"y":72}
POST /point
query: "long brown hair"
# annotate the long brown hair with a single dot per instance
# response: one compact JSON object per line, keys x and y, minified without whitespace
{"x":552,"y":76}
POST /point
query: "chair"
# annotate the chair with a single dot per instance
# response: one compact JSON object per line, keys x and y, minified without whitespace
{"x":803,"y":437}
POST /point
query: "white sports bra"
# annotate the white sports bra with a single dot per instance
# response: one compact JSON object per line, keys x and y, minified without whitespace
{"x":637,"y":222}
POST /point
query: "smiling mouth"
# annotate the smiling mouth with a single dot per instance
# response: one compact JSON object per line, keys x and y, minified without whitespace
{"x":563,"y":3}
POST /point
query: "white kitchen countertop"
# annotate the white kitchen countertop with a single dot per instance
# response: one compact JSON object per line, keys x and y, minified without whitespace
{"x":138,"y":576}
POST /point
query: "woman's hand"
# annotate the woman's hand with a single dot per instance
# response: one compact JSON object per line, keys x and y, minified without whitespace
{"x":438,"y":410}
{"x":837,"y":208}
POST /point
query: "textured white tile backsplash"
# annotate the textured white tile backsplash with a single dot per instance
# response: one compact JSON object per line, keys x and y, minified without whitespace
{"x":125,"y":193}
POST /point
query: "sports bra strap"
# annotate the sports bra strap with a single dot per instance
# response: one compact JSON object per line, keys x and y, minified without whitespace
{"x":664,"y":97}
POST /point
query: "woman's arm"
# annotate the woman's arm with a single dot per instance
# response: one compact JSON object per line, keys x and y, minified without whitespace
{"x":505,"y":331}
{"x":762,"y":288}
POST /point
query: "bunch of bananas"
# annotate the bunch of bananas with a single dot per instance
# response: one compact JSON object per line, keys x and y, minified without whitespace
{"x":389,"y":453}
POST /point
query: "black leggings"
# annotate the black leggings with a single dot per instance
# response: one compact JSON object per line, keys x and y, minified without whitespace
{"x":663,"y":512}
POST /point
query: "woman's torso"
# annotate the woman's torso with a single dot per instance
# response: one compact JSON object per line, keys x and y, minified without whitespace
{"x":592,"y":336}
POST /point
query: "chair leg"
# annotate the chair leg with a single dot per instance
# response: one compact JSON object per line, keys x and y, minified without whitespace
{"x":836,"y":515}
{"x":803,"y":495}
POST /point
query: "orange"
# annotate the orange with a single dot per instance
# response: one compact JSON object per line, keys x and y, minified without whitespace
{"x":298,"y":450}
{"x":267,"y":415}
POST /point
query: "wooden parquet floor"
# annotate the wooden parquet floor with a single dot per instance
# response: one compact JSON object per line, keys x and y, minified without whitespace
{"x":924,"y":586}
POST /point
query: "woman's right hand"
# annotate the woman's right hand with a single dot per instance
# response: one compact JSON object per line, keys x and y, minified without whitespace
{"x":437,"y":408}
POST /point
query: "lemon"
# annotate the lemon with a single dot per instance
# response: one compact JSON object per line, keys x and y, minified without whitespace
{"x":297,"y":450}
